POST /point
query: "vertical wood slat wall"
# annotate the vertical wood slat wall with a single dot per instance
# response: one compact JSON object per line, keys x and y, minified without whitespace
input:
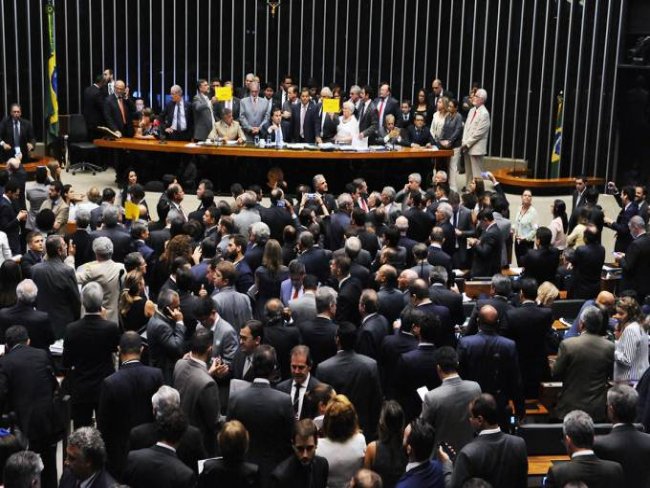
{"x":524,"y":52}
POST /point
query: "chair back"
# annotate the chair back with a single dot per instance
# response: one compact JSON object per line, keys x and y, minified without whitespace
{"x":77,"y":130}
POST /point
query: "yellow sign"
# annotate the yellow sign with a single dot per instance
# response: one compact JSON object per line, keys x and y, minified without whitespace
{"x":224,"y":93}
{"x":131,"y":210}
{"x":331,"y":106}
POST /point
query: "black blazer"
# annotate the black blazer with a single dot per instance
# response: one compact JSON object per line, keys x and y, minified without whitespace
{"x":26,"y":135}
{"x":328,"y":126}
{"x":88,"y":350}
{"x":420,"y":224}
{"x":122,"y":244}
{"x":37,"y":323}
{"x":623,"y":236}
{"x":594,"y":472}
{"x":588,"y":263}
{"x":9,"y":224}
{"x":391,"y":350}
{"x":347,"y":301}
{"x":113,"y":116}
{"x":157,"y":466}
{"x":371,"y":334}
{"x":369,"y":121}
{"x":221,"y":473}
{"x":292,"y":474}
{"x":440,"y":295}
{"x":311,"y":124}
{"x":219,"y":106}
{"x":541,"y":264}
{"x":237,"y":367}
{"x":190,"y":449}
{"x":93,"y":106}
{"x":277,"y":218}
{"x":124,"y":403}
{"x":636,"y":267}
{"x":487,"y":253}
{"x":316,"y":261}
{"x":320,"y":336}
{"x":102,"y":480}
{"x":415,"y":368}
{"x":309,"y":410}
{"x":630,"y":448}
{"x":390,"y":304}
{"x":283,"y":338}
{"x":167,"y":118}
{"x":421,"y":137}
{"x":501,"y":304}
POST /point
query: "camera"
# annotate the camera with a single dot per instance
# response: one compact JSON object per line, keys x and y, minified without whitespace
{"x":311,"y":196}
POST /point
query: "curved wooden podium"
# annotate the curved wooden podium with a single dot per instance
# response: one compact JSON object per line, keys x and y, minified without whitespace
{"x":517,"y":180}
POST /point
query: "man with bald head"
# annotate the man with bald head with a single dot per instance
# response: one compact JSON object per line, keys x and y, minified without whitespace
{"x":605,"y":301}
{"x":636,"y":260}
{"x":119,"y":111}
{"x":475,"y":135}
{"x":491,"y":360}
{"x":177,"y":116}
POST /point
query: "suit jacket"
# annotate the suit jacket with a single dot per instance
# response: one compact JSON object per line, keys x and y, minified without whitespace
{"x":440,"y":295}
{"x":102,"y":480}
{"x":316,"y":262}
{"x":630,"y":448}
{"x":110,"y":276}
{"x":320,"y":335}
{"x":636,"y":267}
{"x":9,"y":224}
{"x":113,"y":115}
{"x":420,"y":224}
{"x":93,"y":106}
{"x":234,"y":307}
{"x":623,"y":236}
{"x":245,"y":277}
{"x":219,"y":472}
{"x":502,"y":306}
{"x":199,"y":399}
{"x":487,"y":253}
{"x":237,"y":367}
{"x":26,"y":133}
{"x":541,"y":264}
{"x":390,"y":303}
{"x":253,"y":115}
{"x":372,"y":332}
{"x":166,"y":340}
{"x":202,"y":116}
{"x":27,"y":385}
{"x":430,"y":474}
{"x":235,"y":107}
{"x":157,"y":466}
{"x":505,"y":227}
{"x":588,"y":263}
{"x":369,"y":121}
{"x":268,"y":416}
{"x":292,"y":474}
{"x":83,"y":243}
{"x":422,"y":136}
{"x":391,"y":351}
{"x":167,"y":119}
{"x":58,"y":293}
{"x":584,"y":364}
{"x":594,"y":472}
{"x":254,"y":255}
{"x":500,"y":459}
{"x":283,"y":338}
{"x":327,"y":126}
{"x":189,"y":449}
{"x":37,"y":323}
{"x":309,"y":410}
{"x":530,"y":326}
{"x":492,"y":361}
{"x":277,"y":218}
{"x":303,"y":308}
{"x":462,"y":221}
{"x":438,"y":257}
{"x":347,"y":301}
{"x":476,"y":130}
{"x":121,"y":241}
{"x":357,"y":377}
{"x":88,"y":350}
{"x":415,"y":368}
{"x":124,"y":403}
{"x":391,"y":107}
{"x":445,"y":334}
{"x":446,"y":409}
{"x":311,"y":124}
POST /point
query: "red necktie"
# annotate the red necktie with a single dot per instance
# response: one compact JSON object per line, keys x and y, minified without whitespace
{"x":473,"y":116}
{"x":121,"y":105}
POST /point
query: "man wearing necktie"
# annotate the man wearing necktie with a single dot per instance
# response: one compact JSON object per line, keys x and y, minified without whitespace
{"x":255,"y":111}
{"x":177,"y":116}
{"x":202,"y":111}
{"x":273,"y":129}
{"x":386,"y":104}
{"x":119,"y":111}
{"x":475,"y":136}
{"x":300,"y":383}
{"x":16,"y":136}
{"x":305,"y":121}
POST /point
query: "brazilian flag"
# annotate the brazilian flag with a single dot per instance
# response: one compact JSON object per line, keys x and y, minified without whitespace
{"x":51,"y":100}
{"x":557,"y":140}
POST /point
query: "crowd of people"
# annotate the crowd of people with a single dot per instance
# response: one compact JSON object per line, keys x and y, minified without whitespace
{"x":318,"y":341}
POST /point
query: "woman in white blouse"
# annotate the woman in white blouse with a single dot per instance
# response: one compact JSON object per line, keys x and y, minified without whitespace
{"x":526,"y":224}
{"x":631,"y":354}
{"x":5,"y":250}
{"x":348,"y":128}
{"x":442,"y":109}
{"x":558,"y":225}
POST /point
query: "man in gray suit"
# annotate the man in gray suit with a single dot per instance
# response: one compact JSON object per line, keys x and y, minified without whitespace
{"x":304,"y":307}
{"x":584,"y":365}
{"x":446,"y":407}
{"x":199,"y":392}
{"x":202,"y":111}
{"x":255,"y":110}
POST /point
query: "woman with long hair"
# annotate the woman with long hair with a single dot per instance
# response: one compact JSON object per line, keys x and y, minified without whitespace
{"x":135,"y":310}
{"x":526,"y":223}
{"x":439,"y":118}
{"x":559,"y":225}
{"x":10,"y":276}
{"x":269,"y":276}
{"x":422,"y":107}
{"x":631,"y":354}
{"x":179,"y":246}
{"x":386,"y":455}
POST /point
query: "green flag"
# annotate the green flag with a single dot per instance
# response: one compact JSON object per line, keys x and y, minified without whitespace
{"x":557,"y":139}
{"x":51,"y":100}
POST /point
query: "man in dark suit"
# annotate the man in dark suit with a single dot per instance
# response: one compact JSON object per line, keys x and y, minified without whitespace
{"x":27,"y":385}
{"x":444,"y":332}
{"x":89,"y":344}
{"x":305,"y":124}
{"x":578,"y":197}
{"x":636,"y":261}
{"x":355,"y":376}
{"x":37,"y":323}
{"x":84,"y":461}
{"x":266,"y":413}
{"x":279,"y":334}
{"x":491,"y":361}
{"x":159,"y":465}
{"x":494,"y":456}
{"x":177,"y":119}
{"x":250,"y":338}
{"x":415,"y":368}
{"x":315,"y":259}
{"x":418,"y":134}
{"x":277,"y":216}
{"x":232,"y":104}
{"x":419,"y":443}
{"x":34,"y":255}
{"x":420,"y":221}
{"x":198,"y":390}
{"x":93,"y":105}
{"x":12,"y":219}
{"x":500,"y":290}
{"x":392,"y":348}
{"x":319,"y":334}
{"x":441,"y":295}
{"x":303,"y":467}
{"x":16,"y":132}
{"x":390,"y":301}
{"x":487,"y":248}
{"x":386,"y":105}
{"x":300,"y":383}
{"x":347,"y":301}
{"x":530,"y":326}
{"x":588,"y":263}
{"x":81,"y":238}
{"x":625,"y":444}
{"x":578,"y":430}
{"x":112,"y":229}
{"x":119,"y":111}
{"x":584,"y":365}
{"x":125,"y":401}
{"x":541,"y":263}
{"x":463,"y":228}
{"x":620,"y":226}
{"x":367,"y":114}
{"x":58,"y":292}
{"x":374,"y":326}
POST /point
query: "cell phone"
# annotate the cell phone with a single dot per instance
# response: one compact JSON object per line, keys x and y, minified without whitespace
{"x":311,"y":196}
{"x":485,"y":175}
